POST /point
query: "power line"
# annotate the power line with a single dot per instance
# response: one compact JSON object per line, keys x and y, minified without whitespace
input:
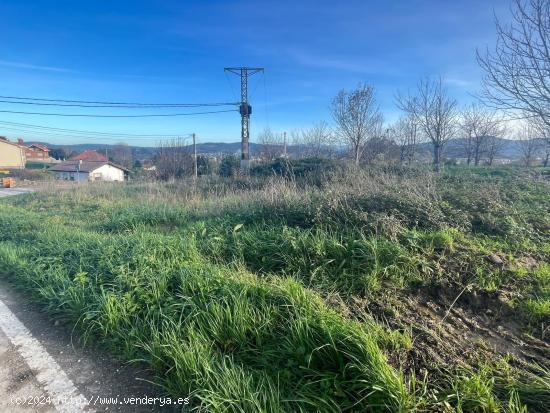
{"x":106,"y":136}
{"x":265,"y":101}
{"x":44,"y":132}
{"x":30,"y":134}
{"x":46,"y":136}
{"x":115,"y":104}
{"x":78,"y":105}
{"x":76,"y":131}
{"x":230,"y":85}
{"x":87,"y":115}
{"x":66,"y":140}
{"x":256,"y":85}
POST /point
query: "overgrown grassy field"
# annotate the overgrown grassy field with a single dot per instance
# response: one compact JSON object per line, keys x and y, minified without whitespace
{"x":351,"y":290}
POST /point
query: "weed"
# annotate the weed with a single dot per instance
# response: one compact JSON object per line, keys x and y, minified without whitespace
{"x":221,"y":284}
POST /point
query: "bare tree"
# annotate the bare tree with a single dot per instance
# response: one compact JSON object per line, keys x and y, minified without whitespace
{"x":468,"y":148}
{"x":173,"y":159}
{"x":406,"y":135}
{"x":546,"y":147}
{"x":380,"y":147}
{"x":298,"y":143}
{"x":529,"y":144}
{"x":318,"y":141}
{"x":271,"y":145}
{"x":477,"y":126}
{"x":517,"y":71}
{"x":61,"y":153}
{"x":357,"y":117}
{"x":121,"y":154}
{"x":434,"y":111}
{"x":543,"y":132}
{"x":495,"y":146}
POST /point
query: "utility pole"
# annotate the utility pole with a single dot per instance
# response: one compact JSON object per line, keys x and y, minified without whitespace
{"x":78,"y":171}
{"x":195,"y":169}
{"x":246,"y":110}
{"x":284,"y":143}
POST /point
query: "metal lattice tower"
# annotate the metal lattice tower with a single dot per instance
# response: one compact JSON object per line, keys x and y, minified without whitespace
{"x":245,"y":110}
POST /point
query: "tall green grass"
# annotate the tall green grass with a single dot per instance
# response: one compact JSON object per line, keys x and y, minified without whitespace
{"x":220,"y":285}
{"x":231,"y":340}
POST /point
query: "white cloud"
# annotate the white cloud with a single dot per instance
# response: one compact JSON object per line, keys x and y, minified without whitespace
{"x":460,"y":82}
{"x":20,"y":65}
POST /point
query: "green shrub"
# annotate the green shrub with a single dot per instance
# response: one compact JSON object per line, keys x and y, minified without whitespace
{"x":229,"y":166}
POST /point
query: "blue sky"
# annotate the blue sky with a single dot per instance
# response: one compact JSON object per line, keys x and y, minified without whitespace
{"x":175,"y":51}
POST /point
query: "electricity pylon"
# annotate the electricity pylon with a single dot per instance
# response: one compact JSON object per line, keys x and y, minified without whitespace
{"x":246,"y":110}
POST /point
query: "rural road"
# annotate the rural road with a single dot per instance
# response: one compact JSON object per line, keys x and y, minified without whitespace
{"x":43,"y":370}
{"x":14,"y":191}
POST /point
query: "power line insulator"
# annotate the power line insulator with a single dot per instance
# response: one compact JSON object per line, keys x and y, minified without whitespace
{"x":245,"y":109}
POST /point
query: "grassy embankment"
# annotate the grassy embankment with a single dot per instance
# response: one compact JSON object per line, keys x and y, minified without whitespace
{"x":279,"y":295}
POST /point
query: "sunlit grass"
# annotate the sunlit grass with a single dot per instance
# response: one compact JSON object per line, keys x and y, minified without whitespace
{"x":221,"y":286}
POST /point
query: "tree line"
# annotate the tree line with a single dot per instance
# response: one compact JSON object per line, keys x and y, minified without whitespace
{"x":514,"y":102}
{"x":516,"y":86}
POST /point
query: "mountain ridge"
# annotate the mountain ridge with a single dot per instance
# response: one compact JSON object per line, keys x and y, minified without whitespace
{"x":453,"y":148}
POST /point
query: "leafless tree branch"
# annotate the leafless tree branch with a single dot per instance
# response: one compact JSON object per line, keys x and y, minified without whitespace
{"x":357,"y":117}
{"x":478,"y":125}
{"x":434,"y":111}
{"x":517,"y":71}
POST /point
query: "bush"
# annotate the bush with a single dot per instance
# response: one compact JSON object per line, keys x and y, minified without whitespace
{"x":229,"y":166}
{"x":313,"y":168}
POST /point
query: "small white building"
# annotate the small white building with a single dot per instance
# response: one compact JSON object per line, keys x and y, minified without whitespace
{"x":82,"y":171}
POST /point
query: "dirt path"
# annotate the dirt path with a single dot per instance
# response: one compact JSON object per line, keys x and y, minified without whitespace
{"x":17,"y":380}
{"x":14,"y":191}
{"x":41,"y":365}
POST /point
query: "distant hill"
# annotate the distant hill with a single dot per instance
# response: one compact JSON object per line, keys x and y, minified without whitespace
{"x":144,"y":152}
{"x":453,"y":149}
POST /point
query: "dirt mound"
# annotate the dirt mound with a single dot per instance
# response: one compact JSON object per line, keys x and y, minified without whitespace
{"x":453,"y":327}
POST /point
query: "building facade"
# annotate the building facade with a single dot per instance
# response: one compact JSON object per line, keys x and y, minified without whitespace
{"x":12,"y":156}
{"x":82,"y":171}
{"x":35,"y":151}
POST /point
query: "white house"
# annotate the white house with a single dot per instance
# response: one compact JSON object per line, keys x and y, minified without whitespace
{"x":82,"y":171}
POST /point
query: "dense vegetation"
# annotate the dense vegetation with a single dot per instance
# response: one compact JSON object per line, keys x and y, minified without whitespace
{"x":348,"y":290}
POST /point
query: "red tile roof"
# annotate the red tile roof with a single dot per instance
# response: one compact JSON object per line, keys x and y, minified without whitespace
{"x":89,"y":155}
{"x":39,"y":146}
